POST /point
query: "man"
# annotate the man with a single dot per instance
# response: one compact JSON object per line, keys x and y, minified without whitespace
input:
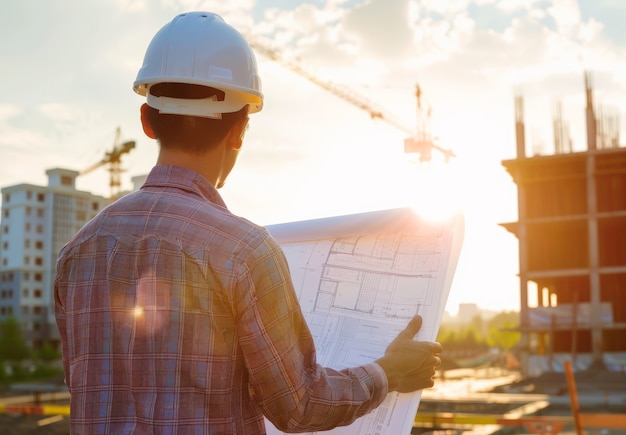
{"x":176,"y":316}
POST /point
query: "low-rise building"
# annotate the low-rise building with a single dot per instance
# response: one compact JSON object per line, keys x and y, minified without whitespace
{"x":36,"y":222}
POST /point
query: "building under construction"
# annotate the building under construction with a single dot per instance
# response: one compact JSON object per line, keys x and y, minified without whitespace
{"x":572,"y":247}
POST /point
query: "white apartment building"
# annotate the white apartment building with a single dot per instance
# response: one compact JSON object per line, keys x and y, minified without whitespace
{"x":36,"y":222}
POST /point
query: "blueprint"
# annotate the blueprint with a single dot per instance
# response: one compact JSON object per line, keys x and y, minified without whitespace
{"x":359,"y":280}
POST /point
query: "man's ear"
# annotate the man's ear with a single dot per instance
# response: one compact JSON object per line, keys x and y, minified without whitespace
{"x":238,"y":132}
{"x":145,"y":123}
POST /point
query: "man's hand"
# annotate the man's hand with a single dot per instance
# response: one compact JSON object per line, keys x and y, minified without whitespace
{"x":409,"y":364}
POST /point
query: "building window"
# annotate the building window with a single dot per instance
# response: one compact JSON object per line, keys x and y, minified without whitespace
{"x":38,"y":261}
{"x":25,"y":309}
{"x":38,"y":277}
{"x":6,"y":229}
{"x":28,"y":211}
{"x":39,"y":229}
{"x":37,"y":309}
{"x":5,"y":245}
{"x":26,"y":276}
{"x":26,"y":243}
{"x":38,"y":244}
{"x":25,"y":292}
{"x":37,"y":293}
{"x":29,"y":194}
{"x":4,"y":261}
{"x":10,"y":310}
{"x":7,"y":197}
{"x":40,"y":212}
{"x":40,"y":197}
{"x":66,"y":180}
{"x":27,"y":227}
{"x":26,"y":259}
{"x":6,"y":213}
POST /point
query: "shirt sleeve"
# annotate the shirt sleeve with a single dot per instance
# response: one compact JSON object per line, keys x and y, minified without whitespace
{"x":294,"y":392}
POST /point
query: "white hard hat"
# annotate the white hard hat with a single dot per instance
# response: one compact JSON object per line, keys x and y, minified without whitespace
{"x":200,"y":48}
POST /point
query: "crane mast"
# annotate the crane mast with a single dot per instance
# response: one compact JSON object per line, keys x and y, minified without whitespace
{"x":113,"y":158}
{"x":419,"y":142}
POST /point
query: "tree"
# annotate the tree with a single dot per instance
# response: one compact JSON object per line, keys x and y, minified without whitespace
{"x":447,"y":335}
{"x":47,"y":353}
{"x":502,"y":330}
{"x":13,"y":348}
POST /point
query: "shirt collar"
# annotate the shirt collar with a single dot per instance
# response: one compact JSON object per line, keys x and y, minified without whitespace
{"x":185,"y":179}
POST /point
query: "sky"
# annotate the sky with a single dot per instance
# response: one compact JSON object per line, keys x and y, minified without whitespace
{"x":68,"y":68}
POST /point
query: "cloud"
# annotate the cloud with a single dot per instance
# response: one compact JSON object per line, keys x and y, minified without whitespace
{"x":381,"y":27}
{"x":9,"y":111}
{"x":132,"y":5}
{"x":511,"y":6}
{"x":59,"y":112}
{"x":300,"y":28}
{"x":566,"y":14}
{"x":21,"y":150}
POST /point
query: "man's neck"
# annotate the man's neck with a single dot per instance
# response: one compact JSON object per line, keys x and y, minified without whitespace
{"x":206,"y":163}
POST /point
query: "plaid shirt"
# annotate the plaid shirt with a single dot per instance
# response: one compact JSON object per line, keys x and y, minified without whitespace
{"x":177,"y":317}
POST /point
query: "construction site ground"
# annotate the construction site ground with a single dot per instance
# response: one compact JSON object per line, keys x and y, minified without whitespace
{"x":478,"y":392}
{"x":492,"y":392}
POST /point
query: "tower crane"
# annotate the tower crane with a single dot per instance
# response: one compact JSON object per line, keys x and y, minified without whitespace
{"x":113,"y":158}
{"x":418,"y":141}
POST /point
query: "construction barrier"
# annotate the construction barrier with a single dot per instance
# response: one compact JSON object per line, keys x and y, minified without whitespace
{"x":35,"y":409}
{"x":604,"y":421}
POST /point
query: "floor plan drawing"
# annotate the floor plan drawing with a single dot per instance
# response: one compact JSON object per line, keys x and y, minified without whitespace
{"x":359,"y":280}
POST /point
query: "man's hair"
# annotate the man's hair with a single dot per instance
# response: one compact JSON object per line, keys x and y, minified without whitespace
{"x":190,"y":133}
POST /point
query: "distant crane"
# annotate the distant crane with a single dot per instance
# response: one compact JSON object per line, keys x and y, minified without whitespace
{"x":113,"y":158}
{"x":418,"y":142}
